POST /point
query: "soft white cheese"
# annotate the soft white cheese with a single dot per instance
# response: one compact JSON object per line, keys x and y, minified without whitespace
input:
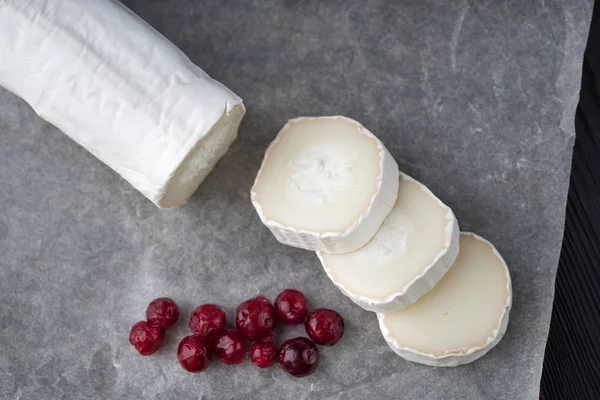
{"x":462,"y":317}
{"x":325,"y":184}
{"x":121,"y":90}
{"x":411,"y":252}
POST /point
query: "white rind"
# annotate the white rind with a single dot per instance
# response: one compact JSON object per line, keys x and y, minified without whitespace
{"x":421,"y":284}
{"x":360,"y":231}
{"x":120,"y":89}
{"x":464,"y":356}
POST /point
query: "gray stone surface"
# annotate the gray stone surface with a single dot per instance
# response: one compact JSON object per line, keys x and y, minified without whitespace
{"x":475,"y":99}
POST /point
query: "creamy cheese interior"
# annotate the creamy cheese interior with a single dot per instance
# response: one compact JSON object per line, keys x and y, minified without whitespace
{"x":409,"y":240}
{"x":201,"y":160}
{"x":462,"y":311}
{"x":320,"y":175}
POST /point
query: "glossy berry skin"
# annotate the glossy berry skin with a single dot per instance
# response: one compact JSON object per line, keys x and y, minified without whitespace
{"x":324,"y":326}
{"x":291,"y":307}
{"x":255,"y":319}
{"x":263,"y":355}
{"x":230,"y":347}
{"x":207,"y":321}
{"x":194,"y":353}
{"x":145,"y":338}
{"x":162,"y":312}
{"x":299,"y":356}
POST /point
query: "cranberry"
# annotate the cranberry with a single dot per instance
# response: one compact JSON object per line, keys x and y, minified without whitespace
{"x":325,"y":326}
{"x":291,"y":307}
{"x":162,"y":312}
{"x":194,"y":353}
{"x":263,"y":355}
{"x":146,"y":338}
{"x":299,"y":356}
{"x":255,"y":319}
{"x":230,"y":347}
{"x":207,"y":321}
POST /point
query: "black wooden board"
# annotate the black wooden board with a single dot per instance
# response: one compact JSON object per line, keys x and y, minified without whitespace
{"x":572,"y":360}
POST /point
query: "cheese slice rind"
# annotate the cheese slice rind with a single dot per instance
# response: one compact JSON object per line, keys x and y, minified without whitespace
{"x":120,"y":89}
{"x":412,"y":250}
{"x":326,"y":183}
{"x":462,"y":318}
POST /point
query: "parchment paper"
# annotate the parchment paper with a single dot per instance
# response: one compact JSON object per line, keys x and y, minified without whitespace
{"x":475,"y":99}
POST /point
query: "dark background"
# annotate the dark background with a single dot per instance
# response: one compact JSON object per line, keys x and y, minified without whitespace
{"x":572,"y":361}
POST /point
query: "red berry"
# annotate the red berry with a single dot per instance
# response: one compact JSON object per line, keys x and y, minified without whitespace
{"x":146,"y":338}
{"x":255,"y":319}
{"x":230,"y":347}
{"x":291,"y":307}
{"x":194,"y":353}
{"x":325,"y":326}
{"x":207,"y":321}
{"x":162,"y":312}
{"x":299,"y":356}
{"x":263,"y":355}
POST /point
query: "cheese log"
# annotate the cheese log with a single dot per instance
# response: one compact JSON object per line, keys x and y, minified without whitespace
{"x":325,"y":184}
{"x":121,"y":90}
{"x":411,"y":252}
{"x":462,"y":318}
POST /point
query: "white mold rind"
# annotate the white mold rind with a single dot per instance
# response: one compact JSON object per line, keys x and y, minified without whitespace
{"x":121,"y":90}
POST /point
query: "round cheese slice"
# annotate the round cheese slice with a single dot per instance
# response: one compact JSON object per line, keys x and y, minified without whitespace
{"x":325,"y":184}
{"x":462,"y":318}
{"x":415,"y":246}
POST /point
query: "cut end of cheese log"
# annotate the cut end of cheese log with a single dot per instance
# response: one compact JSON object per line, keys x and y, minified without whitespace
{"x":121,"y":90}
{"x":203,"y":157}
{"x":462,"y":317}
{"x":326,"y":184}
{"x":415,"y":246}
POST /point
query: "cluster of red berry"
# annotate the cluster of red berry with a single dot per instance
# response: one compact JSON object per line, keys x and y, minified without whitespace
{"x":255,"y":320}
